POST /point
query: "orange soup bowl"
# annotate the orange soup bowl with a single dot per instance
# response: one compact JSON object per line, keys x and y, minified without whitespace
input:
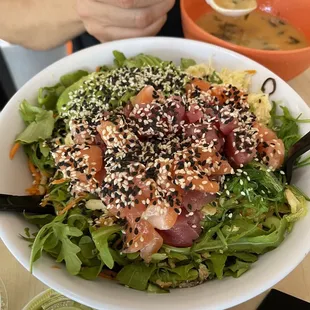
{"x":287,"y":64}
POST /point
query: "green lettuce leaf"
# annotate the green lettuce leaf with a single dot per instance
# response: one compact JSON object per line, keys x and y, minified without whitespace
{"x":187,"y":62}
{"x":119,"y":58}
{"x":29,"y":112}
{"x":62,"y":102}
{"x":70,"y":78}
{"x":138,"y":61}
{"x":40,"y":129}
{"x":48,"y":96}
{"x":152,"y":288}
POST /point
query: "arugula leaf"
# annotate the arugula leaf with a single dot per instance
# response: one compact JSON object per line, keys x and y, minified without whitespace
{"x":169,"y":249}
{"x":52,"y":234}
{"x":59,"y":194}
{"x":237,"y":269}
{"x":78,"y":220}
{"x":177,"y":256}
{"x":133,"y":256}
{"x":207,"y":236}
{"x":40,"y":129}
{"x":187,"y":62}
{"x":136,"y":275}
{"x":27,"y":231}
{"x":39,"y":220}
{"x":70,"y":78}
{"x":88,"y":248}
{"x":273,"y":115}
{"x":38,"y":244}
{"x":247,"y":257}
{"x":215,"y":78}
{"x":119,"y":257}
{"x":100,"y":238}
{"x":253,"y":244}
{"x":68,"y":248}
{"x":44,"y":149}
{"x":182,"y":271}
{"x":174,"y":276}
{"x":218,"y":261}
{"x":36,"y":156}
{"x":91,"y":273}
{"x":303,"y":163}
{"x":157,"y":257}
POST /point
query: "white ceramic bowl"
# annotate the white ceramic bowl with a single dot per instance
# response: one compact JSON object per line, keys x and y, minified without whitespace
{"x":104,"y":294}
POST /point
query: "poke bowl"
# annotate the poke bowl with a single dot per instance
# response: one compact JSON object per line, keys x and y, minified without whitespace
{"x":165,"y":118}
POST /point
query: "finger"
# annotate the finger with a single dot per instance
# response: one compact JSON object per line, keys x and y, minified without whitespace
{"x":130,"y":4}
{"x":133,"y":18}
{"x":105,"y":34}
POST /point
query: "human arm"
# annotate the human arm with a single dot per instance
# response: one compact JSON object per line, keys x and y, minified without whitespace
{"x":44,"y":24}
{"x":39,"y":24}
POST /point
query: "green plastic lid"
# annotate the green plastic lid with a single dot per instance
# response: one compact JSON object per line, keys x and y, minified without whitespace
{"x":51,"y":300}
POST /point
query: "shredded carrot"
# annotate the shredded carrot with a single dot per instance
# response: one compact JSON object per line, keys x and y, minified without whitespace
{"x":98,"y":69}
{"x":71,"y":204}
{"x":34,"y":189}
{"x":14,"y":150}
{"x":108,"y":274}
{"x":34,"y":171}
{"x":60,"y":181}
{"x":251,"y":71}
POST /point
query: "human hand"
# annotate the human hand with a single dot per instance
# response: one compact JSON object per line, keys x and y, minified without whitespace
{"x":109,"y":20}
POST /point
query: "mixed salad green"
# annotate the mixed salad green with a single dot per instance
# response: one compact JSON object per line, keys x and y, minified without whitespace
{"x":251,"y":215}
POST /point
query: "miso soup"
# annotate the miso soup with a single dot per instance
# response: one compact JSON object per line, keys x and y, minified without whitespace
{"x":257,"y":30}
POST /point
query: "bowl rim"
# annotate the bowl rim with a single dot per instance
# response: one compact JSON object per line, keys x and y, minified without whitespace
{"x":54,"y":284}
{"x":236,"y":47}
